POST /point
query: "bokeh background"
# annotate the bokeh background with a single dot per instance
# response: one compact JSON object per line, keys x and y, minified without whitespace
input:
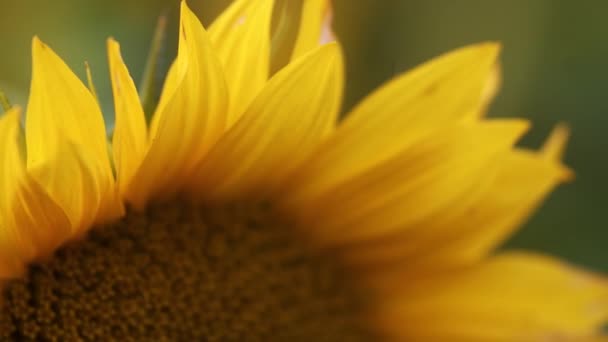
{"x":555,"y":62}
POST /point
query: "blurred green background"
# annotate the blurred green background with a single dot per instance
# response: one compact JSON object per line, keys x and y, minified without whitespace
{"x":555,"y":69}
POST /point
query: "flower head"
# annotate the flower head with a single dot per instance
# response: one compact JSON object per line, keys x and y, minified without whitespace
{"x":247,"y":210}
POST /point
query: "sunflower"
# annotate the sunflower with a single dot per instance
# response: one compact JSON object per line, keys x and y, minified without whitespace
{"x":246,"y":210}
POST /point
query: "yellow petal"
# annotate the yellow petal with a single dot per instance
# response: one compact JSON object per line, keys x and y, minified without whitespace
{"x":62,"y":112}
{"x":473,"y":226}
{"x":70,"y":181}
{"x":421,"y":183}
{"x":299,"y":27}
{"x":31,"y":224}
{"x":437,"y":94}
{"x":15,"y":246}
{"x":39,"y":218}
{"x":510,"y":297}
{"x":191,"y":115}
{"x":315,"y":26}
{"x":294,"y":112}
{"x":241,"y":38}
{"x":522,"y":183}
{"x":489,"y":91}
{"x":130,"y":132}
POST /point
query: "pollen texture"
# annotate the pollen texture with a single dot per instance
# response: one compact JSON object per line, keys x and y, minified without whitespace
{"x":182,"y":273}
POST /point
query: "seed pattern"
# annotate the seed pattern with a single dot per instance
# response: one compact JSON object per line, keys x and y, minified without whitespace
{"x":181,"y":273}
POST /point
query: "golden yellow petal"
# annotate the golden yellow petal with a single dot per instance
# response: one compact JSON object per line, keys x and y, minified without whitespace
{"x":190,"y":117}
{"x":508,"y":193}
{"x":130,"y":132}
{"x":39,"y":219}
{"x":439,"y":93}
{"x":241,"y":38}
{"x":71,"y":182}
{"x":31,"y":224}
{"x":293,"y":113}
{"x":315,"y":27}
{"x":62,"y":112}
{"x":420,"y":184}
{"x":489,"y":91}
{"x":15,"y":246}
{"x":522,"y":183}
{"x":510,"y":297}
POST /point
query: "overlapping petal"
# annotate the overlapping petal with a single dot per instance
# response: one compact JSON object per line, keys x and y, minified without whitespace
{"x":508,"y":193}
{"x":414,"y":183}
{"x":296,"y":110}
{"x":420,"y":184}
{"x":31,"y":224}
{"x":439,"y":93}
{"x":191,"y":116}
{"x":15,"y":246}
{"x":300,"y":26}
{"x":62,"y":112}
{"x":315,"y":27}
{"x":241,"y":38}
{"x":130,"y":132}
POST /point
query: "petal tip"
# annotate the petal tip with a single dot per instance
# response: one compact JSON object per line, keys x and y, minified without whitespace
{"x":568,"y":175}
{"x":37,"y":44}
{"x":554,"y":149}
{"x":184,"y":8}
{"x":488,"y":49}
{"x":494,"y":45}
{"x":555,"y":145}
{"x":524,"y":125}
{"x":113,"y":46}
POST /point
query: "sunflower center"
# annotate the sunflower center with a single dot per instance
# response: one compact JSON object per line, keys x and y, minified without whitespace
{"x":183,"y":273}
